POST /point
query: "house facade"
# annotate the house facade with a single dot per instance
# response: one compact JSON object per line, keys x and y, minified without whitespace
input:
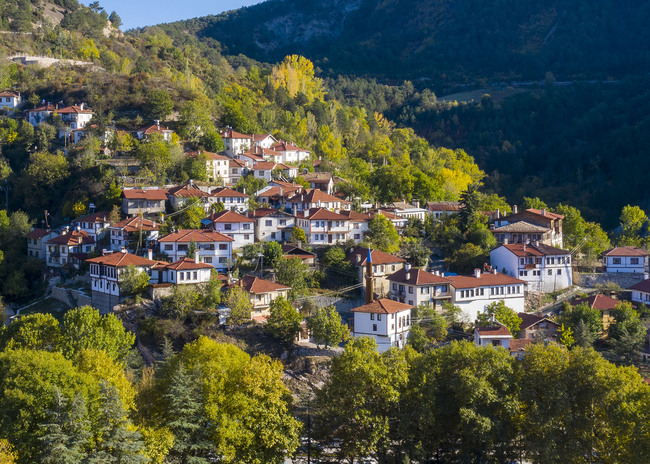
{"x":180,"y":196}
{"x":143,"y":201}
{"x":41,"y":114}
{"x":240,"y":228}
{"x":641,"y":292}
{"x":537,"y":327}
{"x":323,"y":227}
{"x":290,"y":153}
{"x":214,"y":248}
{"x":231,"y":199}
{"x":388,"y":322}
{"x":94,"y":224}
{"x":262,"y":292}
{"x":72,"y":247}
{"x":235,"y":142}
{"x":154,"y":129}
{"x":133,"y":229}
{"x":418,"y":287}
{"x":626,"y":259}
{"x":316,"y":198}
{"x":9,"y":99}
{"x":544,"y":268}
{"x":37,"y":242}
{"x":271,"y":225}
{"x":549,"y":226}
{"x":216,"y":166}
{"x":496,"y":335}
{"x":74,"y":117}
{"x":383,"y":266}
{"x":237,"y":170}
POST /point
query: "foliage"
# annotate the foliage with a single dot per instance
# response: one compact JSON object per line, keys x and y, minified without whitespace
{"x":193,"y":215}
{"x":585,"y":321}
{"x":284,"y":321}
{"x":133,"y":281}
{"x":240,"y":306}
{"x":566,"y":336}
{"x":32,"y":332}
{"x":181,"y":302}
{"x":272,"y":253}
{"x":628,"y":334}
{"x":297,"y":235}
{"x":293,"y":273}
{"x":632,"y":219}
{"x":327,"y":328}
{"x":382,"y":234}
{"x":8,"y":454}
{"x":503,"y":314}
{"x":160,"y":104}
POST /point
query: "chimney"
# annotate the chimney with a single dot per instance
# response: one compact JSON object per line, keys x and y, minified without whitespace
{"x":543,"y":211}
{"x":281,"y":191}
{"x":505,"y":241}
{"x":436,"y":273}
{"x":149,"y":254}
{"x":536,"y":243}
{"x":524,"y":248}
{"x":498,"y":213}
{"x":539,"y":314}
{"x":358,"y":258}
{"x":492,"y":320}
{"x":157,"y":121}
{"x":494,"y":271}
{"x":196,"y":256}
{"x":477,"y":273}
{"x":407,"y":266}
{"x":123,"y":250}
{"x":81,"y":107}
{"x":515,"y":209}
{"x":104,"y":251}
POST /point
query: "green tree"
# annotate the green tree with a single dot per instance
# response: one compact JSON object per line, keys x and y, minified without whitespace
{"x":592,"y":323}
{"x":32,"y":332}
{"x":181,"y":302}
{"x":84,"y":327}
{"x":284,"y":321}
{"x":469,"y":215}
{"x":133,"y":281}
{"x":193,"y":215}
{"x":415,"y":252}
{"x":327,"y":328}
{"x":272,"y":253}
{"x":503,"y":314}
{"x":66,"y":433}
{"x":627,"y":335}
{"x":293,"y":273}
{"x":566,"y":336}
{"x":115,"y":20}
{"x":533,"y":203}
{"x":382,"y":234}
{"x":195,"y":120}
{"x":297,"y":235}
{"x":240,"y":306}
{"x":418,"y":339}
{"x":212,"y":142}
{"x":632,"y":219}
{"x":159,"y":104}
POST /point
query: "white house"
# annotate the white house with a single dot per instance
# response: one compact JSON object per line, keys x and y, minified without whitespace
{"x":316,"y":198}
{"x":264,"y":140}
{"x":74,"y":117}
{"x":216,"y":165}
{"x":94,"y":224}
{"x":271,"y":225}
{"x":417,"y":286}
{"x":544,"y":268}
{"x":320,"y":180}
{"x":143,"y":201}
{"x":264,"y":170}
{"x":626,"y":259}
{"x":72,"y":247}
{"x":548,"y":230}
{"x":408,"y":211}
{"x":641,"y":292}
{"x":133,"y":229}
{"x":9,"y":99}
{"x":496,"y":335}
{"x":180,"y":196}
{"x":40,"y":114}
{"x":235,"y":142}
{"x":323,"y":227}
{"x":261,"y":292}
{"x":359,"y":224}
{"x":237,"y":169}
{"x":388,"y":322}
{"x":383,"y":265}
{"x":214,"y":248}
{"x":37,"y":240}
{"x":277,"y":196}
{"x":474,"y":293}
{"x":290,"y":153}
{"x":240,"y":228}
{"x":157,"y":129}
{"x":231,"y":199}
{"x":187,"y":271}
{"x":440,"y":209}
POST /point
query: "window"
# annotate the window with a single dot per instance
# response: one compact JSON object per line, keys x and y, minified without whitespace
{"x":410,"y":289}
{"x":496,"y":343}
{"x":424,"y":290}
{"x":374,"y":327}
{"x":550,"y":272}
{"x":559,"y":272}
{"x":379,"y":317}
{"x":273,"y":235}
{"x":372,"y":316}
{"x":394,"y":286}
{"x":616,"y":260}
{"x":268,"y":223}
{"x":634,"y":260}
{"x":247,"y":236}
{"x":411,"y":302}
{"x":195,"y":275}
{"x":247,"y":227}
{"x":182,"y":274}
{"x":207,"y":260}
{"x":523,"y":273}
{"x":222,"y":260}
{"x":283,"y":222}
{"x":223,"y":246}
{"x":227,"y":227}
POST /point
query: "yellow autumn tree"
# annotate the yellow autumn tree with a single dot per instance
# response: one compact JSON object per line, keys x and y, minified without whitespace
{"x":296,"y":74}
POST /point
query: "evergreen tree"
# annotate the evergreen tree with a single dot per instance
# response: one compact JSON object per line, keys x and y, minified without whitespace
{"x":66,"y":432}
{"x":284,"y":321}
{"x":186,"y":417}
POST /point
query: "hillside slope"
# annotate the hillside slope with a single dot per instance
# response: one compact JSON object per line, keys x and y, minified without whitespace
{"x":441,"y":39}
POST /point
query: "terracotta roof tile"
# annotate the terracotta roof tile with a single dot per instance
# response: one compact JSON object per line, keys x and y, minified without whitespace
{"x":98,"y":217}
{"x":416,"y":276}
{"x":227,"y":192}
{"x":72,"y":238}
{"x":199,"y":236}
{"x":496,"y":331}
{"x":185,"y":264}
{"x":382,"y":306}
{"x":314,"y":196}
{"x":140,"y":194}
{"x":213,"y":156}
{"x":134,"y":224}
{"x":255,"y":285}
{"x":534,"y":250}
{"x":643,"y":286}
{"x":599,"y":302}
{"x":322,"y":213}
{"x":625,"y":251}
{"x":486,"y":279}
{"x":231,"y":134}
{"x":378,"y":257}
{"x":228,"y":216}
{"x":74,"y":110}
{"x":37,"y":233}
{"x":187,"y":191}
{"x":119,"y":259}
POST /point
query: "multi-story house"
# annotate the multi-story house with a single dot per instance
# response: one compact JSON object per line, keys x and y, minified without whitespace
{"x":440,"y":209}
{"x":41,"y":114}
{"x":419,"y":287}
{"x":548,"y":230}
{"x":72,"y":247}
{"x":251,"y":157}
{"x":237,"y":170}
{"x":94,"y":224}
{"x":9,"y":99}
{"x":264,"y":170}
{"x":214,"y":248}
{"x":271,"y":225}
{"x":143,"y":201}
{"x":264,"y":140}
{"x":235,"y":142}
{"x":494,"y":335}
{"x":537,"y":327}
{"x":231,"y":199}
{"x":187,"y":271}
{"x":133,"y":229}
{"x":154,"y":129}
{"x":626,"y":259}
{"x":407,"y":211}
{"x":74,"y":117}
{"x":37,"y":240}
{"x":277,"y":196}
{"x":641,"y":292}
{"x":474,"y":293}
{"x":383,"y":266}
{"x":320,"y":180}
{"x":180,"y":196}
{"x":544,"y":268}
{"x":290,"y":153}
{"x":359,"y":224}
{"x":262,"y":292}
{"x":323,"y":227}
{"x":240,"y":228}
{"x":316,"y":198}
{"x":388,"y":322}
{"x":216,"y":165}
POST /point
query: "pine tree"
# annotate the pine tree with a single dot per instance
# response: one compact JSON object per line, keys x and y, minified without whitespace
{"x":186,"y":418}
{"x":118,"y":442}
{"x":66,"y":434}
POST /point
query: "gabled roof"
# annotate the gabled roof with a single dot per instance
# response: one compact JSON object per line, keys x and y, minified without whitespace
{"x":140,"y":194}
{"x":134,"y":224}
{"x":318,"y":177}
{"x":293,"y":250}
{"x":496,"y":331}
{"x":213,"y":156}
{"x":279,"y":192}
{"x":353,"y":216}
{"x":486,"y":279}
{"x":314,"y":196}
{"x":154,"y":129}
{"x":322,"y":213}
{"x":199,"y":236}
{"x":119,"y":259}
{"x":521,"y":250}
{"x":236,"y":163}
{"x":186,"y":264}
{"x":73,"y":237}
{"x":521,"y":227}
{"x":256,"y":286}
{"x":270,"y":166}
{"x":626,"y":251}
{"x":228,"y":216}
{"x":47,"y":107}
{"x":286,"y":146}
{"x":443,"y":206}
{"x":74,"y":110}
{"x":264,"y":212}
{"x":547,"y":214}
{"x":416,"y":276}
{"x":98,"y":217}
{"x":187,"y":191}
{"x":378,"y":257}
{"x":37,"y":233}
{"x":643,"y":286}
{"x":227,"y":192}
{"x":528,"y":320}
{"x":260,"y":137}
{"x":8,"y":93}
{"x":382,"y":306}
{"x":599,"y":302}
{"x":231,"y":134}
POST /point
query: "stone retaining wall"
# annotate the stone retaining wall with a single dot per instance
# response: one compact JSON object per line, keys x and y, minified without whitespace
{"x":624,"y":279}
{"x":72,"y":298}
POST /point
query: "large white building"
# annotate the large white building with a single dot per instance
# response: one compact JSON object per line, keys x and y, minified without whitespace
{"x":417,"y":286}
{"x":240,"y":228}
{"x":626,"y":259}
{"x":10,"y":99}
{"x":271,"y":225}
{"x":474,"y":293}
{"x":388,"y":322}
{"x":323,"y":227}
{"x":214,"y":248}
{"x":543,"y":267}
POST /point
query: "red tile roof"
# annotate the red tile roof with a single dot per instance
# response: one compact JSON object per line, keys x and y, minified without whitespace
{"x":100,"y":217}
{"x":185,"y":264}
{"x":534,"y":250}
{"x":285,"y":146}
{"x":199,"y":236}
{"x":519,"y":344}
{"x":625,"y":251}
{"x":37,"y":233}
{"x":275,"y":192}
{"x":228,"y":216}
{"x":214,"y":156}
{"x":227,"y":192}
{"x":528,"y":320}
{"x":378,"y":257}
{"x":43,"y":108}
{"x":643,"y":286}
{"x":237,"y":163}
{"x":231,"y":134}
{"x":260,"y":137}
{"x":548,"y":213}
{"x":496,"y":331}
{"x":599,"y":302}
{"x":322,"y":213}
{"x":154,"y":129}
{"x":416,"y":276}
{"x":443,"y":206}
{"x":270,"y":166}
{"x":74,"y":110}
{"x":256,"y":286}
{"x":486,"y":279}
{"x":118,"y":259}
{"x":264,"y":212}
{"x":72,"y":238}
{"x":187,"y":191}
{"x":383,"y":306}
{"x":314,"y":196}
{"x":358,"y":217}
{"x":134,"y":224}
{"x":7,"y":93}
{"x":139,"y":194}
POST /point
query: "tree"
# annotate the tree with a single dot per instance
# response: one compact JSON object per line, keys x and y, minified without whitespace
{"x":115,"y":20}
{"x":469,"y":215}
{"x":627,"y":335}
{"x":382,"y":234}
{"x":8,"y":454}
{"x":297,"y":235}
{"x":632,"y":219}
{"x":294,"y":273}
{"x":416,"y":253}
{"x":195,"y":120}
{"x":133,"y":281}
{"x":284,"y":321}
{"x":238,"y":300}
{"x":32,"y":332}
{"x":327,"y":328}
{"x":84,"y":327}
{"x":418,"y":339}
{"x":193,"y":215}
{"x":591,"y":318}
{"x":566,"y":336}
{"x":159,"y":104}
{"x":533,"y":203}
{"x":503,"y":314}
{"x":272,"y":253}
{"x":65,"y":435}
{"x":181,"y":302}
{"x":212,"y":142}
